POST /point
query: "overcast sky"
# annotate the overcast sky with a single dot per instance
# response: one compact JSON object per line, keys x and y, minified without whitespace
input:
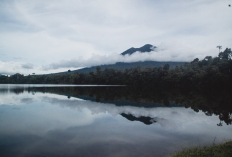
{"x":41,"y":36}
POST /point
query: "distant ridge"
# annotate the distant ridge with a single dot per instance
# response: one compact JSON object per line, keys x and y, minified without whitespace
{"x":145,"y":48}
{"x":123,"y":66}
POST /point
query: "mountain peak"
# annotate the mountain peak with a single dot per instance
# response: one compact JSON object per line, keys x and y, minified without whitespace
{"x":145,"y":48}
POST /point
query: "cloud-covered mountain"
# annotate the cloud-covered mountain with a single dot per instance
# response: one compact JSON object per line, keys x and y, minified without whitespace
{"x":148,"y":48}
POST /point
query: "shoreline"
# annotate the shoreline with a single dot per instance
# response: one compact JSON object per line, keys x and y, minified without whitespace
{"x":219,"y":150}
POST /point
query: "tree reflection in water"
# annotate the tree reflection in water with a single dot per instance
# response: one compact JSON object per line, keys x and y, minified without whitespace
{"x":216,"y":102}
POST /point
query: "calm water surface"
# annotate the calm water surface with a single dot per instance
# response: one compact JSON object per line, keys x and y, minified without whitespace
{"x":42,"y":120}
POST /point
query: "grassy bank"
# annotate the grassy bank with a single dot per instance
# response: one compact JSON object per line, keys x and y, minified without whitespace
{"x":221,"y":150}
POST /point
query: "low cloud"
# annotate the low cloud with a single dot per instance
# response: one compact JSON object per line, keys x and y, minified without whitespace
{"x":164,"y":52}
{"x":27,"y":66}
{"x":9,"y":68}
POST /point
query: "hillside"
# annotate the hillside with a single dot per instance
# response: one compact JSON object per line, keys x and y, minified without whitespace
{"x":123,"y":66}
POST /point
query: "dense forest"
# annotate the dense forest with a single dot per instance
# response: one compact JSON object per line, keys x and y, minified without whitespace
{"x":123,"y":65}
{"x":209,"y":72}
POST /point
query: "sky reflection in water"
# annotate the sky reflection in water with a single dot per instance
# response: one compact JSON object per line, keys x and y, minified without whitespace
{"x":45,"y":124}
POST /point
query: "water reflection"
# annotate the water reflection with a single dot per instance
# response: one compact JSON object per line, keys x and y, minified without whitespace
{"x":218,"y":103}
{"x":107,"y":121}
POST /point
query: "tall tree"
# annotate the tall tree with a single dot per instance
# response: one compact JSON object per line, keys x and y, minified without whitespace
{"x":219,"y":47}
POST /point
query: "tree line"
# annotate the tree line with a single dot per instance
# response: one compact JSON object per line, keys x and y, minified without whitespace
{"x":208,"y":72}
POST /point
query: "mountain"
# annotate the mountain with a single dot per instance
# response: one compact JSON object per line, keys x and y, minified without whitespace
{"x":123,"y":65}
{"x":145,"y":48}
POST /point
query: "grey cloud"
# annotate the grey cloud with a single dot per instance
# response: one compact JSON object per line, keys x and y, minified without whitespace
{"x":27,"y":66}
{"x":11,"y":67}
{"x":59,"y":29}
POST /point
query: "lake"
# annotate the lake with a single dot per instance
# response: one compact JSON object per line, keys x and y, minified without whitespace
{"x":68,"y":120}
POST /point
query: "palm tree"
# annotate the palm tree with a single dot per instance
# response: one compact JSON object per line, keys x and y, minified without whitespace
{"x":219,"y":47}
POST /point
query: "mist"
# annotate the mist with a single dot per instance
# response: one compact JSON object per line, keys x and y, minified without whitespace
{"x":163,"y":52}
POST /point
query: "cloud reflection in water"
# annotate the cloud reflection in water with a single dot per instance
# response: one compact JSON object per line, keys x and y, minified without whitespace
{"x":50,"y":124}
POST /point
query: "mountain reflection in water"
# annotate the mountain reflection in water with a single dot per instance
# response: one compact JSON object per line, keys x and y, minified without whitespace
{"x":143,"y":119}
{"x":109,"y":121}
{"x":218,"y":103}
